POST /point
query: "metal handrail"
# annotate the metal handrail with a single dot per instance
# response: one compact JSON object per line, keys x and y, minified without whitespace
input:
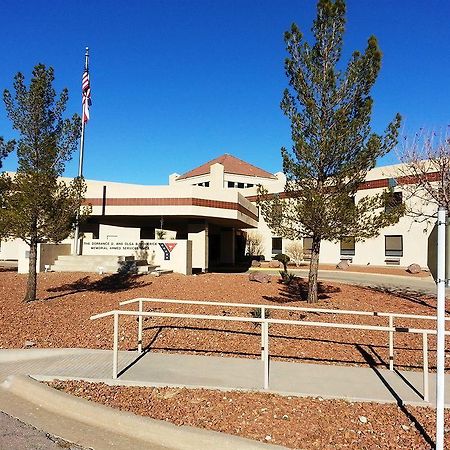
{"x":264,"y":334}
{"x":391,"y":316}
{"x":286,"y":308}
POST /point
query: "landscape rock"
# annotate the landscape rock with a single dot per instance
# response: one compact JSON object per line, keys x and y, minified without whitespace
{"x":414,"y":268}
{"x":260,"y":277}
{"x":256,"y":263}
{"x":343,"y":265}
{"x":274,"y":264}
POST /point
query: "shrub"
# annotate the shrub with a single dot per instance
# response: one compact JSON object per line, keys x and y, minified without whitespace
{"x":254,"y":243}
{"x":284,"y":259}
{"x":256,"y":313}
{"x":294,"y":249}
{"x":287,"y":277}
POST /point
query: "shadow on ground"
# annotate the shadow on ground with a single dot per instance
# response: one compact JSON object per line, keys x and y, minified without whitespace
{"x":415,"y":296}
{"x":372,"y":363}
{"x":297,"y":290}
{"x":116,"y":282}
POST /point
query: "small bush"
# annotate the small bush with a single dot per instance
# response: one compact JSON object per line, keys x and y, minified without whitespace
{"x":294,"y":249}
{"x":284,"y":259}
{"x":287,"y":277}
{"x":256,"y":313}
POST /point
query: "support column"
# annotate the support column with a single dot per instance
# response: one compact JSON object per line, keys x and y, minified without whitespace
{"x":198,"y":234}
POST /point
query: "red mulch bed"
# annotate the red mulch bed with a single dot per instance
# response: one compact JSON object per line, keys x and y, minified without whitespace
{"x":303,"y":423}
{"x":60,"y":318}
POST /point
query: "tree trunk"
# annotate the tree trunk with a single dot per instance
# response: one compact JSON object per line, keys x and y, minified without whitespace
{"x":313,"y":271}
{"x":30,"y":296}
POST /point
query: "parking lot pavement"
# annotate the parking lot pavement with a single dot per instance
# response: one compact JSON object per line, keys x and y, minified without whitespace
{"x":16,"y":435}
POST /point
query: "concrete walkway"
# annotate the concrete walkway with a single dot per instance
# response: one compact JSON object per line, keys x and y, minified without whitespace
{"x":96,"y":426}
{"x":163,"y":369}
{"x":89,"y":424}
{"x":406,"y":285}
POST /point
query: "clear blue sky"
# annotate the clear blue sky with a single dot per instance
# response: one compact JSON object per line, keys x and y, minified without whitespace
{"x":176,"y":82}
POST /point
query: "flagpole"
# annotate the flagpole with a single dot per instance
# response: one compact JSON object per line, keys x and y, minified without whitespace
{"x":76,"y":249}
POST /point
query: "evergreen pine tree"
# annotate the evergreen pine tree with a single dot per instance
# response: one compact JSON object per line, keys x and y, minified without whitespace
{"x":36,"y":205}
{"x":333,"y":144}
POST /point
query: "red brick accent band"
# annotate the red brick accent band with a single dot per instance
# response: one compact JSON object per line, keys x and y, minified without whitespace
{"x":373,"y":184}
{"x":126,"y":201}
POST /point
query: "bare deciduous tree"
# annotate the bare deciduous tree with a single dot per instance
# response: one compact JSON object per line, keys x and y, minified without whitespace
{"x":425,"y":173}
{"x":254,"y":244}
{"x":294,"y":249}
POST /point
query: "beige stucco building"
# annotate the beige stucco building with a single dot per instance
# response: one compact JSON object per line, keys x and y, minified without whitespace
{"x":207,"y":213}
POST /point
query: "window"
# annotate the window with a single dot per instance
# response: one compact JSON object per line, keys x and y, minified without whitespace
{"x":231,"y":184}
{"x":393,"y":246}
{"x":277,"y":245}
{"x":307,"y":247}
{"x":249,"y":185}
{"x":393,"y":200}
{"x":240,"y":185}
{"x":348,"y":246}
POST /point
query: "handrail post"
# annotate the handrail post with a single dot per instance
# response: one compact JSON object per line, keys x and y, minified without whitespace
{"x":425,"y":367}
{"x":263,"y":316}
{"x":391,"y":343}
{"x":265,"y":326}
{"x":116,"y":345}
{"x":140,"y":327}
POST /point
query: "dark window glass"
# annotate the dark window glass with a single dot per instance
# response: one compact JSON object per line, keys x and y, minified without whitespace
{"x":394,"y":200}
{"x":231,"y":184}
{"x":307,"y":247}
{"x":277,"y":245}
{"x":393,"y":246}
{"x":240,"y":185}
{"x":348,"y":246}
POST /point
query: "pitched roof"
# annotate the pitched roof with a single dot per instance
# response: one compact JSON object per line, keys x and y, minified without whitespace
{"x":231,"y":164}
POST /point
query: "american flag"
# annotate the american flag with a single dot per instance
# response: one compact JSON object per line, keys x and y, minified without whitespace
{"x":86,"y":92}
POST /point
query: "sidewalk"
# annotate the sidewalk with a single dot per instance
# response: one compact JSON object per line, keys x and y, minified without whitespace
{"x":393,"y":283}
{"x":212,"y":372}
{"x":89,"y":424}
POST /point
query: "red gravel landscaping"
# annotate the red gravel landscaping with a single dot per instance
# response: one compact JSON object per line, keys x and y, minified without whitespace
{"x":60,"y":318}
{"x":301,"y":423}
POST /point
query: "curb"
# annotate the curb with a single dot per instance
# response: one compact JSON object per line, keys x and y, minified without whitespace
{"x":148,"y":431}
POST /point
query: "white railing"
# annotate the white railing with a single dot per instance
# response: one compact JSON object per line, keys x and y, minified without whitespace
{"x":265,"y":328}
{"x":263,"y":308}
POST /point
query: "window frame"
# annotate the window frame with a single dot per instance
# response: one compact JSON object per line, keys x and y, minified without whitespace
{"x":347,"y":251}
{"x":392,"y":252}
{"x":307,"y":251}
{"x":277,"y":251}
{"x":395,"y":200}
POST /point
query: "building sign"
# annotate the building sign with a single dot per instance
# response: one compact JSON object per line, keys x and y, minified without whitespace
{"x":167,"y":254}
{"x":127,"y":248}
{"x":167,"y":249}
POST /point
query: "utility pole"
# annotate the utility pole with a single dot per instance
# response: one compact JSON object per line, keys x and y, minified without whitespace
{"x":440,"y":351}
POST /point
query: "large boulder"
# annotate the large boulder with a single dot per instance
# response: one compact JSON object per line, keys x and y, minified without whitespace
{"x":343,"y":265}
{"x":259,"y":277}
{"x":414,"y":268}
